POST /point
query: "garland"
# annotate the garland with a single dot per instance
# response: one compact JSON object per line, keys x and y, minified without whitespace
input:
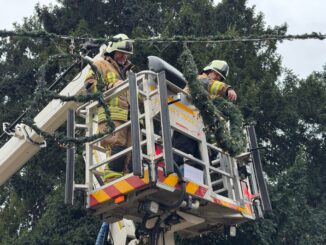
{"x":214,"y":111}
{"x":175,"y":39}
{"x":42,"y":95}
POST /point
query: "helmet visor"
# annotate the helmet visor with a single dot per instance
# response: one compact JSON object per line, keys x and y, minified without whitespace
{"x":127,"y":47}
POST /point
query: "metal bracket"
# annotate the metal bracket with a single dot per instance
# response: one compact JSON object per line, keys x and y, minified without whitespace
{"x":176,"y":98}
{"x":22,"y":128}
{"x":5,"y":127}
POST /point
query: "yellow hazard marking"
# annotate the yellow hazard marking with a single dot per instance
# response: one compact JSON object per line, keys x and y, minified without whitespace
{"x":191,"y":188}
{"x":146,"y":177}
{"x":245,"y":210}
{"x":123,"y":186}
{"x":101,"y":196}
{"x":171,"y":180}
{"x":182,"y":106}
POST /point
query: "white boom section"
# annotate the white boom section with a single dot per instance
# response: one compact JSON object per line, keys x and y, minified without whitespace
{"x":18,"y":150}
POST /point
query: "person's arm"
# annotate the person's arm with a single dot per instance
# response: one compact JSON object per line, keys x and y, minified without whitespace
{"x":218,"y":88}
{"x":90,"y":81}
{"x":110,"y":79}
{"x":231,"y":94}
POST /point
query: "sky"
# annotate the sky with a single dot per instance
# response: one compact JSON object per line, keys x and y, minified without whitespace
{"x":302,"y":16}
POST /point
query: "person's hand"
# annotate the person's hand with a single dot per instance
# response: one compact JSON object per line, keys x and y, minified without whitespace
{"x":232,"y":95}
{"x":89,"y":85}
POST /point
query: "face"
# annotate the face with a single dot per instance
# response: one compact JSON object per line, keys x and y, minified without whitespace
{"x":120,"y":57}
{"x":213,"y":75}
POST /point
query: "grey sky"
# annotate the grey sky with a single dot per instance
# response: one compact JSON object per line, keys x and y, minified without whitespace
{"x":302,"y":16}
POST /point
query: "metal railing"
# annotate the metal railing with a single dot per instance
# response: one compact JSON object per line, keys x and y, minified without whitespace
{"x":149,"y":104}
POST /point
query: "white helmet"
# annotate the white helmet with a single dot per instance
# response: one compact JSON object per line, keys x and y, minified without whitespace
{"x":219,"y":66}
{"x":122,"y":43}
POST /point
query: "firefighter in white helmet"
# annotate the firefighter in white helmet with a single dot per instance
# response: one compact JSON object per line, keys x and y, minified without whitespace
{"x":114,"y":68}
{"x":213,"y":78}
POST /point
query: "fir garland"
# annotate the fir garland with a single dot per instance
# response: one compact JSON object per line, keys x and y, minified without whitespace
{"x":42,"y":94}
{"x":214,"y":112}
{"x":175,"y":39}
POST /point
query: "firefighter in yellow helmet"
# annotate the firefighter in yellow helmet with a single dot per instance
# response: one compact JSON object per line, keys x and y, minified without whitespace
{"x":113,"y":69}
{"x":213,"y":79}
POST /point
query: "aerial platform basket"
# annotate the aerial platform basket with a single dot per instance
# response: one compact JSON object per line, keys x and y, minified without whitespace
{"x":204,"y":194}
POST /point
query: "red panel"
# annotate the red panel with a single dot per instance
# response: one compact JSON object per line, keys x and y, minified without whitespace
{"x":161,"y":176}
{"x":201,"y":191}
{"x":216,"y":200}
{"x":135,"y":182}
{"x":92,"y":201}
{"x":112,"y":191}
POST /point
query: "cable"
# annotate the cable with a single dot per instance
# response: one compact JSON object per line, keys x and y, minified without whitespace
{"x":177,"y":203}
{"x":155,"y":233}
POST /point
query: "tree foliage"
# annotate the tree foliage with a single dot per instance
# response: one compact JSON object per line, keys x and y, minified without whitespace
{"x":290,"y":114}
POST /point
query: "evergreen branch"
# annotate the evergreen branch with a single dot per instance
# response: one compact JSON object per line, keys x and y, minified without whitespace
{"x":214,"y":112}
{"x":42,"y":94}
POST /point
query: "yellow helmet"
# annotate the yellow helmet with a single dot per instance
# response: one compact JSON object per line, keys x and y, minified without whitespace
{"x":219,"y":66}
{"x":122,"y":43}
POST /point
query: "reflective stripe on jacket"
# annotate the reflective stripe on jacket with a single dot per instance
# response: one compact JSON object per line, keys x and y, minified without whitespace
{"x":111,"y":74}
{"x":214,"y":88}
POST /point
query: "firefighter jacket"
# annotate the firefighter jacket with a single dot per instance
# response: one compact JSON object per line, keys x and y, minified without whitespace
{"x":111,"y":73}
{"x":214,"y":88}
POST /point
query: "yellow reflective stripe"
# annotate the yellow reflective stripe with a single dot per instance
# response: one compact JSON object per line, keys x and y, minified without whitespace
{"x":215,"y":88}
{"x":116,"y":114}
{"x":111,"y":76}
{"x":89,"y":73}
{"x":112,"y":102}
{"x":100,"y":109}
{"x":94,"y":88}
{"x":117,"y":101}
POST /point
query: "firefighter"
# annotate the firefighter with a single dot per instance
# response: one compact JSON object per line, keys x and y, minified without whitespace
{"x":114,"y":68}
{"x":213,"y":79}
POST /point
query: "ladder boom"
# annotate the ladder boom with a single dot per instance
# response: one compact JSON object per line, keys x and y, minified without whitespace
{"x":18,"y":150}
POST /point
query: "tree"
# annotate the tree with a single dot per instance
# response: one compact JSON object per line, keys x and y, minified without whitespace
{"x":290,"y":116}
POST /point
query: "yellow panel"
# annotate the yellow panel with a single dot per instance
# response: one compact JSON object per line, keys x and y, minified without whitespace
{"x":171,"y":180}
{"x":146,"y":177}
{"x":123,"y":186}
{"x":236,"y":207}
{"x":101,"y":196}
{"x":181,"y":106}
{"x":191,"y":188}
{"x":247,"y":209}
